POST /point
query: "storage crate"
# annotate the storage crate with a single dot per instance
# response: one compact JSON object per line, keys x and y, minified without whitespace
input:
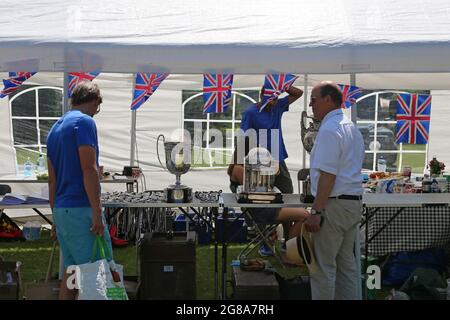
{"x":167,"y":267}
{"x":254,"y":285}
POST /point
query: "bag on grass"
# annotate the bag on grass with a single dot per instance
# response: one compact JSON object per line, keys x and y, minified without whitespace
{"x":102,"y":279}
{"x":402,"y":264}
{"x":425,"y":284}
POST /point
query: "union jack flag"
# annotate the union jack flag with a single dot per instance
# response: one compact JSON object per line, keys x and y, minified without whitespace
{"x":217,"y":92}
{"x":274,"y":85}
{"x":349,"y":95}
{"x":14,"y":81}
{"x":76,"y":77}
{"x":413,"y":118}
{"x":146,"y":84}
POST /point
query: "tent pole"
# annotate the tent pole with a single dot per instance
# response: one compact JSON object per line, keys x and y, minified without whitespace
{"x":353,"y":108}
{"x":133,"y":137}
{"x":305,"y":107}
{"x":357,"y":245}
{"x":66,"y":92}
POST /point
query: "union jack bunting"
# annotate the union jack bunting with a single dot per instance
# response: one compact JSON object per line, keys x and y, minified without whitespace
{"x":146,"y":84}
{"x":76,"y":77}
{"x":274,"y":85}
{"x":413,"y":118}
{"x":14,"y":81}
{"x":349,"y":95}
{"x":216,"y":92}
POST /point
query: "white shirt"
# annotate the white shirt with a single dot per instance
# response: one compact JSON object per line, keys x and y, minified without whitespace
{"x":339,"y":150}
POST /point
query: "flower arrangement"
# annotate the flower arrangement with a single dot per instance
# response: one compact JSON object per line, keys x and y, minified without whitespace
{"x":435,"y":166}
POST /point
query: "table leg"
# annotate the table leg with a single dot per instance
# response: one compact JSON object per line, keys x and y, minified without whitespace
{"x":224,"y":253}
{"x":42,"y":216}
{"x":366,"y":250}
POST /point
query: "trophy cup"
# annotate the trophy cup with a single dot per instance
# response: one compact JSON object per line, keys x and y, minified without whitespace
{"x":260,"y":171}
{"x":308,"y":135}
{"x":177,"y":162}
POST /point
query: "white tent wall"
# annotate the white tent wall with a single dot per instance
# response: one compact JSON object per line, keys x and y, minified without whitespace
{"x":389,"y":45}
{"x":246,"y":37}
{"x":7,"y":155}
{"x":162,"y":113}
{"x":439,"y":143}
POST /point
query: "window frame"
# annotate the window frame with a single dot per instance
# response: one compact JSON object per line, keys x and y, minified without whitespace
{"x":208,"y":120}
{"x":37,"y":118}
{"x":400,"y":151}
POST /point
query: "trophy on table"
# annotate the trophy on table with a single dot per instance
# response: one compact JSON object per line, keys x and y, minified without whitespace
{"x":308,"y":134}
{"x":178,"y":162}
{"x":260,"y":171}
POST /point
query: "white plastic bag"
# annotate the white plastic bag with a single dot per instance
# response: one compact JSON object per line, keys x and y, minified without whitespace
{"x":100,"y":280}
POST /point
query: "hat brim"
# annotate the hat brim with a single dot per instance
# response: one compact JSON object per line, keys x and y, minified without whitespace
{"x":301,"y":250}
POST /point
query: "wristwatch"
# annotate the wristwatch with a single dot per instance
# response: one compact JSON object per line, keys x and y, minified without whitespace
{"x":315,"y":212}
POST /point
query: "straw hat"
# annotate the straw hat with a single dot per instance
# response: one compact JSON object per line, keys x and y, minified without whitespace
{"x":301,"y":250}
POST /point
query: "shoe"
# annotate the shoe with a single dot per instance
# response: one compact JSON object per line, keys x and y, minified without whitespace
{"x":265,"y":251}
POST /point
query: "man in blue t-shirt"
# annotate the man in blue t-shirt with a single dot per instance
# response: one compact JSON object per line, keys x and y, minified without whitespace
{"x":267,"y":124}
{"x":74,"y":184}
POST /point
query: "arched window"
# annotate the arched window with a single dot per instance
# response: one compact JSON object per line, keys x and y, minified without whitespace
{"x":34,"y":110}
{"x":216,"y":130}
{"x":376,"y":119}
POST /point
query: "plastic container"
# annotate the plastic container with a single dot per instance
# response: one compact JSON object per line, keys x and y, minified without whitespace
{"x":41,"y":163}
{"x":28,"y":168}
{"x":381,"y":164}
{"x":32,"y":231}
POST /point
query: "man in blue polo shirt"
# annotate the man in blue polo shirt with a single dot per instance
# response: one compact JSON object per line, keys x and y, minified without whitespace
{"x":267,"y":126}
{"x":269,"y":120}
{"x":74,"y":184}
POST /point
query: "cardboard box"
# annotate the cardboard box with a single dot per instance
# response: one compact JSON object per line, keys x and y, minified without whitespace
{"x":9,"y":280}
{"x":254,"y":285}
{"x":42,"y":290}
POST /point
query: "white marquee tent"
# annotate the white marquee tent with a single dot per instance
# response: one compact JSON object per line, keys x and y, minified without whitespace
{"x":376,"y":45}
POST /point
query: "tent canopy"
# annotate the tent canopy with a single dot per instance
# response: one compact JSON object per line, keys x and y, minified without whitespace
{"x":241,"y":37}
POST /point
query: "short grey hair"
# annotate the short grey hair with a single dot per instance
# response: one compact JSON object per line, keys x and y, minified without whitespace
{"x":85,"y":92}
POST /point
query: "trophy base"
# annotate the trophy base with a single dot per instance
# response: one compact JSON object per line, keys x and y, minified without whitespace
{"x":178,"y":194}
{"x":259,"y":197}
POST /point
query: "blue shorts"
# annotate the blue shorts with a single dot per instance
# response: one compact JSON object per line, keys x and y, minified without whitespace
{"x":75,"y":238}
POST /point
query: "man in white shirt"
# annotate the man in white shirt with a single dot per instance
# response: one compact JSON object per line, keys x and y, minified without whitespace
{"x":336,"y":182}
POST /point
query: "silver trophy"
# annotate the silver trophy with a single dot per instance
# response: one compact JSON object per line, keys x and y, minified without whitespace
{"x":178,"y":162}
{"x":260,"y":171}
{"x":308,"y":130}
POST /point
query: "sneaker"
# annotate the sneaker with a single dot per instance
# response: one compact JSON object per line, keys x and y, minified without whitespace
{"x":265,"y":251}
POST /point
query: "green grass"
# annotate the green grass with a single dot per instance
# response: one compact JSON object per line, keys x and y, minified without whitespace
{"x":24,"y":154}
{"x":34,"y":256}
{"x":200,"y":158}
{"x":416,"y":161}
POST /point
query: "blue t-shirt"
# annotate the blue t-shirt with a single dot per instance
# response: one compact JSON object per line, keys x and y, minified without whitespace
{"x":71,"y":131}
{"x":253,"y":119}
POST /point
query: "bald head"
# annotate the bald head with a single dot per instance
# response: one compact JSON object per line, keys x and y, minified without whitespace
{"x":325,"y":97}
{"x":329,"y":88}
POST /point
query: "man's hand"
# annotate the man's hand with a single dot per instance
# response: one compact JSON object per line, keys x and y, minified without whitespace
{"x":53,"y":233}
{"x":97,"y":224}
{"x":312,"y":223}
